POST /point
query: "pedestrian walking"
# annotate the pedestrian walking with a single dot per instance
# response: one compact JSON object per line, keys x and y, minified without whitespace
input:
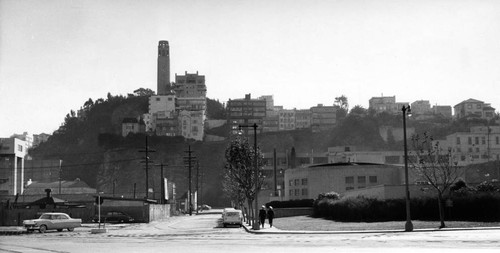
{"x":270,"y":215}
{"x":262,"y":215}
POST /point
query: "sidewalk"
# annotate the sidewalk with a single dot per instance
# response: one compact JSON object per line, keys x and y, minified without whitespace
{"x":274,"y":230}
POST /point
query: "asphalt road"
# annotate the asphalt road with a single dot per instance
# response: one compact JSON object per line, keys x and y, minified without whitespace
{"x":203,"y":233}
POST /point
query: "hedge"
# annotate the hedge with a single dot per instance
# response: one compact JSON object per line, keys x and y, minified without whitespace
{"x":481,"y":207}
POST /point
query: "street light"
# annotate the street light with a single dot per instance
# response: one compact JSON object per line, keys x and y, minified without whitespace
{"x":256,"y":225}
{"x":408,"y":226}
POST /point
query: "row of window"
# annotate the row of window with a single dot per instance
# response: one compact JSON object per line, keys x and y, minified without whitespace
{"x":477,"y":140}
{"x":297,"y":182}
{"x":298,"y":192}
{"x":361,"y":179}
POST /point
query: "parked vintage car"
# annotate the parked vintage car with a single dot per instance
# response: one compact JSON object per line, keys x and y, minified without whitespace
{"x":114,"y":216}
{"x":232,"y":217}
{"x":50,"y":221}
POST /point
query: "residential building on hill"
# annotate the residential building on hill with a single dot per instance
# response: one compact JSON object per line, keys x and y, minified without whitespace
{"x":190,"y":85}
{"x":474,"y":108}
{"x":323,"y":118}
{"x":39,"y":138}
{"x":132,"y":125}
{"x":286,"y":120}
{"x":421,"y":107}
{"x":12,"y":156}
{"x":443,"y":110}
{"x":481,"y":144}
{"x":246,"y":111}
{"x":191,"y":124}
{"x":303,"y":119}
{"x":386,"y":104}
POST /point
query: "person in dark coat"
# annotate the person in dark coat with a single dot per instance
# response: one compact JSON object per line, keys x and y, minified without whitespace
{"x":270,"y":215}
{"x":262,"y":215}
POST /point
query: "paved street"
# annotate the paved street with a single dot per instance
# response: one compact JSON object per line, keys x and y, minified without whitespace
{"x":203,"y":233}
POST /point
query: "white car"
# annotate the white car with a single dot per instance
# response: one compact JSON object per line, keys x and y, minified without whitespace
{"x":232,"y":217}
{"x":48,"y":221}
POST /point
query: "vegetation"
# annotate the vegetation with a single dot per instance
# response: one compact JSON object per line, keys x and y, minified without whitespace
{"x":435,"y":166}
{"x":291,"y":203}
{"x":241,"y":180}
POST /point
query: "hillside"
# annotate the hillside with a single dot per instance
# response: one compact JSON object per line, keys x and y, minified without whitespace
{"x":92,"y":148}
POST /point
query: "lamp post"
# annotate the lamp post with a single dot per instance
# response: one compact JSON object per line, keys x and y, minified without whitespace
{"x":256,"y":225}
{"x":408,"y":226}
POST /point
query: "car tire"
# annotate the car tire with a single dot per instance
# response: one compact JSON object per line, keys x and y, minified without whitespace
{"x":59,"y":230}
{"x":43,"y":228}
{"x":71,"y":229}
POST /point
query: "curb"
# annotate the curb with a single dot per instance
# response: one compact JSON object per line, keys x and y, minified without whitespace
{"x":277,"y":231}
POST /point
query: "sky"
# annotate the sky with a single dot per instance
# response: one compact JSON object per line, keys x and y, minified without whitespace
{"x":56,"y":54}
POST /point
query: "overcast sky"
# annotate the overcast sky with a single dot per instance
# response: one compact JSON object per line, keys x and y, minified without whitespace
{"x":55,"y":55}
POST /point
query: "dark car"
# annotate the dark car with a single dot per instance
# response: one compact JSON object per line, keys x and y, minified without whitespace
{"x":114,"y":216}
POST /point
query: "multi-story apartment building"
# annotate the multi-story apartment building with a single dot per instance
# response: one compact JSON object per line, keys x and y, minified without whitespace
{"x":474,"y":108}
{"x":39,"y":138}
{"x":191,"y":103}
{"x":28,"y":138}
{"x":246,"y":111}
{"x":443,"y":110}
{"x":269,"y":102}
{"x":303,"y":119}
{"x":323,"y":117}
{"x":421,"y":107}
{"x":162,"y":106}
{"x":191,"y":124}
{"x":271,"y":121}
{"x":286,"y":120}
{"x":481,"y":144}
{"x":190,"y":86}
{"x":386,"y":104}
{"x":12,"y":154}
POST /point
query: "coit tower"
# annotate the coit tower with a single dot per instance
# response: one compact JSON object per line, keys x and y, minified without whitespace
{"x":163,"y":68}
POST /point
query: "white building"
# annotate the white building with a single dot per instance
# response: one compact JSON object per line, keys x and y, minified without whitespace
{"x":191,"y":124}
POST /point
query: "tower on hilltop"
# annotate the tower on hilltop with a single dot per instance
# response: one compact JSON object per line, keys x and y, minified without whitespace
{"x":163,"y":68}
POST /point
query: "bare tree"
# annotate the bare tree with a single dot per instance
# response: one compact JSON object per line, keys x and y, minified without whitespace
{"x":435,"y":166}
{"x":239,"y":171}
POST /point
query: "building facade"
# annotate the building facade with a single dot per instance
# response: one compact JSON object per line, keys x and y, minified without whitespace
{"x":309,"y":182}
{"x":474,"y":108}
{"x":132,"y":125}
{"x":323,"y":118}
{"x":12,"y":154}
{"x":421,"y":107}
{"x":191,"y":124}
{"x":190,"y":85}
{"x":163,"y":81}
{"x":286,"y":120}
{"x":246,"y":111}
{"x":303,"y":119}
{"x":480,"y":145}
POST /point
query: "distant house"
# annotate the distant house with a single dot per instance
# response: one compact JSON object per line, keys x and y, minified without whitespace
{"x":474,"y":108}
{"x":132,"y":125}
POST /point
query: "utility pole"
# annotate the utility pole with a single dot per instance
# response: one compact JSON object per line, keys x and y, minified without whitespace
{"x":146,"y":158}
{"x":197,"y":181}
{"x":189,"y":159}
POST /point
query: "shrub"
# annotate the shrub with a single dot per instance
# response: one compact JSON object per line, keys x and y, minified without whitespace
{"x":291,"y":203}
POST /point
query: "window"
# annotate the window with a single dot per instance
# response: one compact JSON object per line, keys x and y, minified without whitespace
{"x":290,"y":192}
{"x":157,"y":99}
{"x":497,"y":140}
{"x":373,"y":179}
{"x":304,"y":181}
{"x":470,"y":140}
{"x":349,"y":180}
{"x":458,"y":140}
{"x":483,"y":140}
{"x":20,"y":148}
{"x":304,"y":192}
{"x":297,"y":192}
{"x":477,"y":140}
{"x":361,"y":180}
{"x":290,"y":182}
{"x":296,"y":182}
